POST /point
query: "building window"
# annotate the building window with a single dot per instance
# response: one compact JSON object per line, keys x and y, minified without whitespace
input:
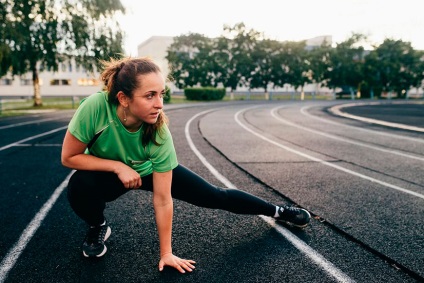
{"x":5,"y":81}
{"x":26,"y":82}
{"x":66,"y":82}
{"x":60,"y":82}
{"x":88,"y":82}
{"x":70,"y":67}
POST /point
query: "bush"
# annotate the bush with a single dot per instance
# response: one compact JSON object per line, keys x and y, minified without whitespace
{"x":167,"y":96}
{"x":204,"y":93}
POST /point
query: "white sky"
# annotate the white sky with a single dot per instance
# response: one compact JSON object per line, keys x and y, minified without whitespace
{"x":277,"y":19}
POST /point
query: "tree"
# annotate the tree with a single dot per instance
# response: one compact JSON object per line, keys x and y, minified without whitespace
{"x":44,"y":33}
{"x":5,"y":59}
{"x":396,"y":67}
{"x":418,"y":69}
{"x":235,"y":47}
{"x":189,"y":60}
{"x":347,"y":61}
{"x":296,"y":64}
{"x":195,"y":59}
{"x":266,"y":65}
{"x":319,"y":58}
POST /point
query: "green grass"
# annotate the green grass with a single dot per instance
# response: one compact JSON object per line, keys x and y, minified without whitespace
{"x":22,"y":106}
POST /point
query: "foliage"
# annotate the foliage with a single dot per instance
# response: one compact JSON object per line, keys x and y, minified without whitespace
{"x":319,"y":63}
{"x":296,"y":63}
{"x":395,"y":66}
{"x":167,"y":96}
{"x":346,"y":63}
{"x":205,"y":93}
{"x":240,"y":43}
{"x":265,"y":64}
{"x":245,"y":58}
{"x":189,"y":58}
{"x":44,"y":33}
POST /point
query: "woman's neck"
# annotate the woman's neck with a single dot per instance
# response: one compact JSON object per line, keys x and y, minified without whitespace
{"x":127,"y":120}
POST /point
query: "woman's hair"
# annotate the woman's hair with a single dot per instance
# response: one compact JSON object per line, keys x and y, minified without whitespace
{"x":123,"y":75}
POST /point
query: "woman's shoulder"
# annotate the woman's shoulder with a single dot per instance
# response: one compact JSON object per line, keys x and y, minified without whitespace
{"x":161,"y":134}
{"x":97,"y":97}
{"x":95,"y":103}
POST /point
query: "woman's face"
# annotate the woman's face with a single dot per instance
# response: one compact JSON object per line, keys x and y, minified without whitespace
{"x":147,"y":101}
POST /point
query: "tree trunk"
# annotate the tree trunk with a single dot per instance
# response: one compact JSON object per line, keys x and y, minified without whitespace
{"x":302,"y":94}
{"x":36,"y":84}
{"x":358,"y":92}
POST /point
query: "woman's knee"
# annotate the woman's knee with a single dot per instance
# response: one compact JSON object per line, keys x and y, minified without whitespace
{"x":95,"y":184}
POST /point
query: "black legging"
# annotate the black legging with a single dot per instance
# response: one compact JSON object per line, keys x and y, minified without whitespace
{"x":88,"y":192}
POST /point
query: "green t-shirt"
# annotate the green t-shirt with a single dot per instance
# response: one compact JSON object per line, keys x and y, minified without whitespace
{"x":96,"y":114}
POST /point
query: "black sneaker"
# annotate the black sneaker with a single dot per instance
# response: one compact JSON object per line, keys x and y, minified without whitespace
{"x":294,"y":216}
{"x":94,"y":242}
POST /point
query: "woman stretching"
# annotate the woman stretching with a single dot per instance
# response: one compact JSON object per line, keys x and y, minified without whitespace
{"x":118,"y":140}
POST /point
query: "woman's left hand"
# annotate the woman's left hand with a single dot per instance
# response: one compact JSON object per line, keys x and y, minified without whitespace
{"x":182,"y":265}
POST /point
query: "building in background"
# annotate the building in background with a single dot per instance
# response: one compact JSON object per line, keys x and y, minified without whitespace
{"x":156,"y":48}
{"x":71,"y":80}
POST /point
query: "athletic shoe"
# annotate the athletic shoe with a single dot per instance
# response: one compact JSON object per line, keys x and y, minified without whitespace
{"x":94,"y":242}
{"x":294,"y":216}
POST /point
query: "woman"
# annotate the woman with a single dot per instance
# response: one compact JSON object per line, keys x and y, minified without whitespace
{"x":118,"y":140}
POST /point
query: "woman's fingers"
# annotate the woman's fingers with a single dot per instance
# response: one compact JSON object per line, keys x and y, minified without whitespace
{"x":133,"y":184}
{"x":129,"y":177}
{"x":182,"y":265}
{"x":185,"y":265}
{"x":189,"y":265}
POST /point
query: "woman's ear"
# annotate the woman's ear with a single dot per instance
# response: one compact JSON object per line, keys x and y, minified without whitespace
{"x":123,"y":99}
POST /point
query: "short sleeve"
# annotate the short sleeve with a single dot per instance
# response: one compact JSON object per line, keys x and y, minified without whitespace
{"x":82,"y":125}
{"x":163,"y":156}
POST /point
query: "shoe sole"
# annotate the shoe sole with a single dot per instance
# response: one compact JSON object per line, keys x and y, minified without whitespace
{"x":107,"y":235}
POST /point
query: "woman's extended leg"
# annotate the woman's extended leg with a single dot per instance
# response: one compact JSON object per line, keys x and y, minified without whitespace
{"x":190,"y":187}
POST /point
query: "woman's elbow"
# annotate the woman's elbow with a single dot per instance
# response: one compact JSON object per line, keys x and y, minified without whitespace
{"x":65,"y":161}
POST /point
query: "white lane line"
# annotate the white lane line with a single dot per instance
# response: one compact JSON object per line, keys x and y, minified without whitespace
{"x":304,"y":109}
{"x":313,"y":255}
{"x":31,"y":122}
{"x":325,"y":162}
{"x":33,"y":137}
{"x":337,"y":110}
{"x":12,"y":256}
{"x":273,"y":114}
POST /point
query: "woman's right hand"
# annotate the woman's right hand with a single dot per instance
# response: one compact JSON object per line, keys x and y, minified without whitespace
{"x":182,"y":265}
{"x":73,"y":156}
{"x":129,"y":177}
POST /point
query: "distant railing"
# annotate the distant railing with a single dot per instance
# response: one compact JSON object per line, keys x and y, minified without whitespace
{"x":23,"y":102}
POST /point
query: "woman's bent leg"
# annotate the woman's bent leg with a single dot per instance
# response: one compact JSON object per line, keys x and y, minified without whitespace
{"x":88,"y":192}
{"x":191,"y":188}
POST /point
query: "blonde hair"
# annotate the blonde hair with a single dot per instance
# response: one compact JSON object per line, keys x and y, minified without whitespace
{"x":123,"y":75}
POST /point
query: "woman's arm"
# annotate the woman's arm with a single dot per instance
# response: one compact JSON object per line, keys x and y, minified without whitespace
{"x":163,"y":205}
{"x":73,"y":156}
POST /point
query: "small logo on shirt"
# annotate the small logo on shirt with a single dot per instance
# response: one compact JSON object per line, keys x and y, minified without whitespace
{"x":136,"y":162}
